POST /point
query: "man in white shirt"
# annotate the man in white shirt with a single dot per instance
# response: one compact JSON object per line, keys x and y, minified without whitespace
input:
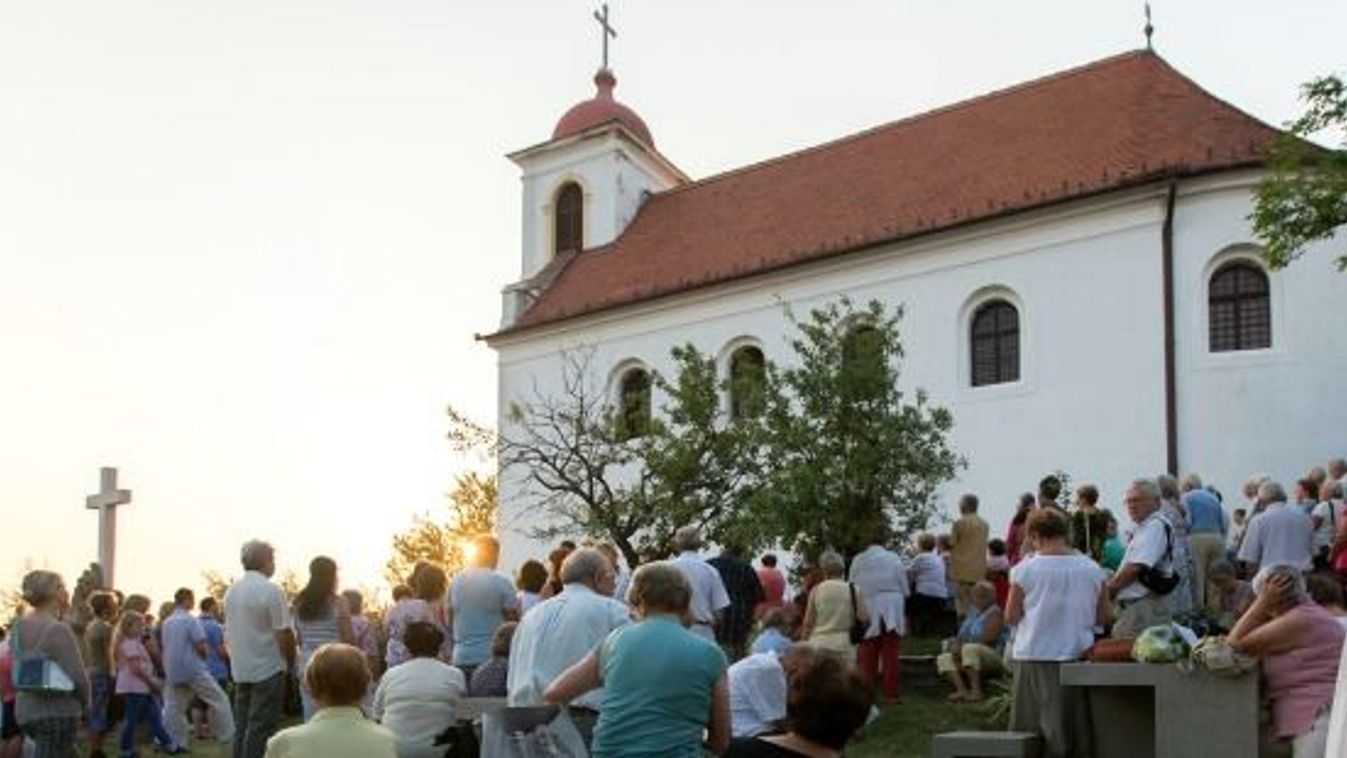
{"x":759,"y":685}
{"x":261,"y":649}
{"x":709,"y":598}
{"x":560,"y":631}
{"x":1281,"y":535}
{"x":1149,"y":552}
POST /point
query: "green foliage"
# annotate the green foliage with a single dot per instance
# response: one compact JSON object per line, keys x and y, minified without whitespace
{"x":848,"y":451}
{"x":1304,"y":197}
{"x":472,"y":506}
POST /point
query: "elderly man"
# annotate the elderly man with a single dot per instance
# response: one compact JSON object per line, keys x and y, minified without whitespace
{"x":560,"y":631}
{"x":759,"y":685}
{"x":261,"y":649}
{"x":1209,"y":528}
{"x":709,"y":598}
{"x":1280,"y":535}
{"x":968,"y":552}
{"x":1337,"y":471}
{"x":1142,"y":585}
{"x":186,"y":675}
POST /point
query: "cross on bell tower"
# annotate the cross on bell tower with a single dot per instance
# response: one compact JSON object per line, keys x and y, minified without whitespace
{"x":607,"y":31}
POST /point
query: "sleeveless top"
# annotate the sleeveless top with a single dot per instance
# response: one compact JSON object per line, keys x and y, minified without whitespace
{"x":1301,"y":681}
{"x":974,"y":626}
{"x":832,"y":617}
{"x":314,"y":633}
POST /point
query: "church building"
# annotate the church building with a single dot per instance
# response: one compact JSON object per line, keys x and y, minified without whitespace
{"x":1081,"y":285}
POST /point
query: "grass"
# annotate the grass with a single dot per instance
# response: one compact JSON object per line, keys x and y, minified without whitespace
{"x":907,"y":728}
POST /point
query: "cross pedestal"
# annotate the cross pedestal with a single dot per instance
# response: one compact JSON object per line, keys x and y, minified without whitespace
{"x":105,"y":501}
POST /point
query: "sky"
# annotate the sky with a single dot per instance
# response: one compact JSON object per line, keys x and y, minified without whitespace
{"x":245,"y":245}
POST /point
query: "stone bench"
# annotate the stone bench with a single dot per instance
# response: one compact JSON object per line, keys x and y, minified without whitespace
{"x":472,"y":708}
{"x":979,"y":744}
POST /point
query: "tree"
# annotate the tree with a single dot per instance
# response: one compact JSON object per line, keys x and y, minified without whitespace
{"x":585,"y":472}
{"x":847,"y":451}
{"x":217,"y":584}
{"x":1304,"y":197}
{"x":472,"y":506}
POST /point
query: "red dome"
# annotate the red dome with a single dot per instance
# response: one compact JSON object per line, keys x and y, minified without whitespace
{"x":601,"y":109}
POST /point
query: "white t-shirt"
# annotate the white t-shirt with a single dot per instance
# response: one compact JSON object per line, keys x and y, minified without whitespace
{"x":1330,"y":512}
{"x":1061,"y":594}
{"x":1281,"y":535}
{"x":557,"y":634}
{"x":928,"y":574}
{"x":255,"y":609}
{"x":416,"y":700}
{"x":708,"y":591}
{"x":757,"y":694}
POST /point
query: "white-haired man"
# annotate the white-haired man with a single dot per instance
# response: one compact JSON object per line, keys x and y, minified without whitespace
{"x":560,"y":631}
{"x":261,"y":649}
{"x":1280,"y":535}
{"x":1142,"y":585}
{"x":709,"y":597}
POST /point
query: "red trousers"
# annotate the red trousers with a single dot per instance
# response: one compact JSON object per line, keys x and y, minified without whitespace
{"x":881,"y":650}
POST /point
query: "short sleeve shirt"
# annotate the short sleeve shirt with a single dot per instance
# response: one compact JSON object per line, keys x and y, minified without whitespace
{"x":255,"y":609}
{"x":657,"y":679}
{"x":757,"y":695}
{"x":182,"y":633}
{"x":708,"y":589}
{"x":479,"y":598}
{"x":1061,"y":594}
{"x":1149,"y":547}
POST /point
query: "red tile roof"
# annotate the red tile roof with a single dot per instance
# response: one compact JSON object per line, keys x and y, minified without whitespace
{"x":1114,"y":123}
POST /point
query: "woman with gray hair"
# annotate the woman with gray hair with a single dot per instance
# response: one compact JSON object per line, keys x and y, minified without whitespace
{"x":1299,"y":643}
{"x":663,"y":686}
{"x":834,"y":607}
{"x":1186,"y":595}
{"x":48,"y":714}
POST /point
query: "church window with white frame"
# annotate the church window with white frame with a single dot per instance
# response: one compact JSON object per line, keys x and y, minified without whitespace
{"x":994,"y":344}
{"x":634,"y":403}
{"x":569,"y":220}
{"x":1239,"y":308}
{"x":748,"y":377}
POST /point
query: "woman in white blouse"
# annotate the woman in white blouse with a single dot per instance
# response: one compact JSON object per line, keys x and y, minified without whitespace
{"x":880,"y":576}
{"x":417,"y":700}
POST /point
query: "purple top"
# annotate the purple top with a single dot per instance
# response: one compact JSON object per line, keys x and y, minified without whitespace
{"x":133,"y":666}
{"x":1301,"y":681}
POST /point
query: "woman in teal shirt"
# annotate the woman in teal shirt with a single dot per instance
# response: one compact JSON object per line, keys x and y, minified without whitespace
{"x":663,"y":686}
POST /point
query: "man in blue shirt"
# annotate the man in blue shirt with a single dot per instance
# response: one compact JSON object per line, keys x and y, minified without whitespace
{"x":186,"y":675}
{"x":479,"y":601}
{"x":1209,"y":527}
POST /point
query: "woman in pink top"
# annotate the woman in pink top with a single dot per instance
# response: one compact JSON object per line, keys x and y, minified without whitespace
{"x":773,"y":586}
{"x":137,"y":684}
{"x":1299,"y":643}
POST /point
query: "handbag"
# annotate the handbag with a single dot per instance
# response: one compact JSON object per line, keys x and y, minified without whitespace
{"x":1155,"y":581}
{"x":38,"y":673}
{"x":857,"y":631}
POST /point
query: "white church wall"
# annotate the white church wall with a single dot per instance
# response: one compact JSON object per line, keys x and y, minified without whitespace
{"x":1277,"y":410}
{"x":1090,"y":398}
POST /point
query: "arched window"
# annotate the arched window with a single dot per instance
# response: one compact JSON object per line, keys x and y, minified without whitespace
{"x":994,"y":344}
{"x":1239,"y":309}
{"x":748,"y":376}
{"x":634,"y":418}
{"x":863,"y":356}
{"x":569,"y":234}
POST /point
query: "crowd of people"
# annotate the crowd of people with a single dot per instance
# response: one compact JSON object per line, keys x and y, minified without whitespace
{"x":699,"y":653}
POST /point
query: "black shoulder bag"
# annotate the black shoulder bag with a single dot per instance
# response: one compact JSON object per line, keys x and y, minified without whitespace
{"x":1155,"y":581}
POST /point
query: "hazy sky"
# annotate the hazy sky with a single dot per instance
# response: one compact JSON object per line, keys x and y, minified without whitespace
{"x":245,"y":244}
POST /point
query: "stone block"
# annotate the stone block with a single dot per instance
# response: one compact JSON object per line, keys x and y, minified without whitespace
{"x":980,"y":744}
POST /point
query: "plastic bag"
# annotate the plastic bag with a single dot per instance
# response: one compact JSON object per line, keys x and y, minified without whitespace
{"x":1216,"y":655}
{"x":1160,"y":644}
{"x":531,"y":732}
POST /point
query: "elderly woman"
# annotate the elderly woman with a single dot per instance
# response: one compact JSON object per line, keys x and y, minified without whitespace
{"x":428,"y":584}
{"x":1228,"y":596}
{"x":826,"y":703}
{"x":834,"y":606}
{"x":1299,"y":643}
{"x":417,"y":700}
{"x":48,"y":716}
{"x":662,"y":685}
{"x":881,"y":577}
{"x":1185,"y":596}
{"x":337,"y":678}
{"x":977,"y":648}
{"x":1057,"y":598}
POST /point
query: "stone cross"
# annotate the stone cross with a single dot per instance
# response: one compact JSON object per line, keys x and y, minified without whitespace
{"x":608,"y":31}
{"x":105,"y":501}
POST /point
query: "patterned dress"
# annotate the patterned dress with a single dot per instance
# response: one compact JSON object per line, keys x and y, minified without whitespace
{"x":1184,"y":597}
